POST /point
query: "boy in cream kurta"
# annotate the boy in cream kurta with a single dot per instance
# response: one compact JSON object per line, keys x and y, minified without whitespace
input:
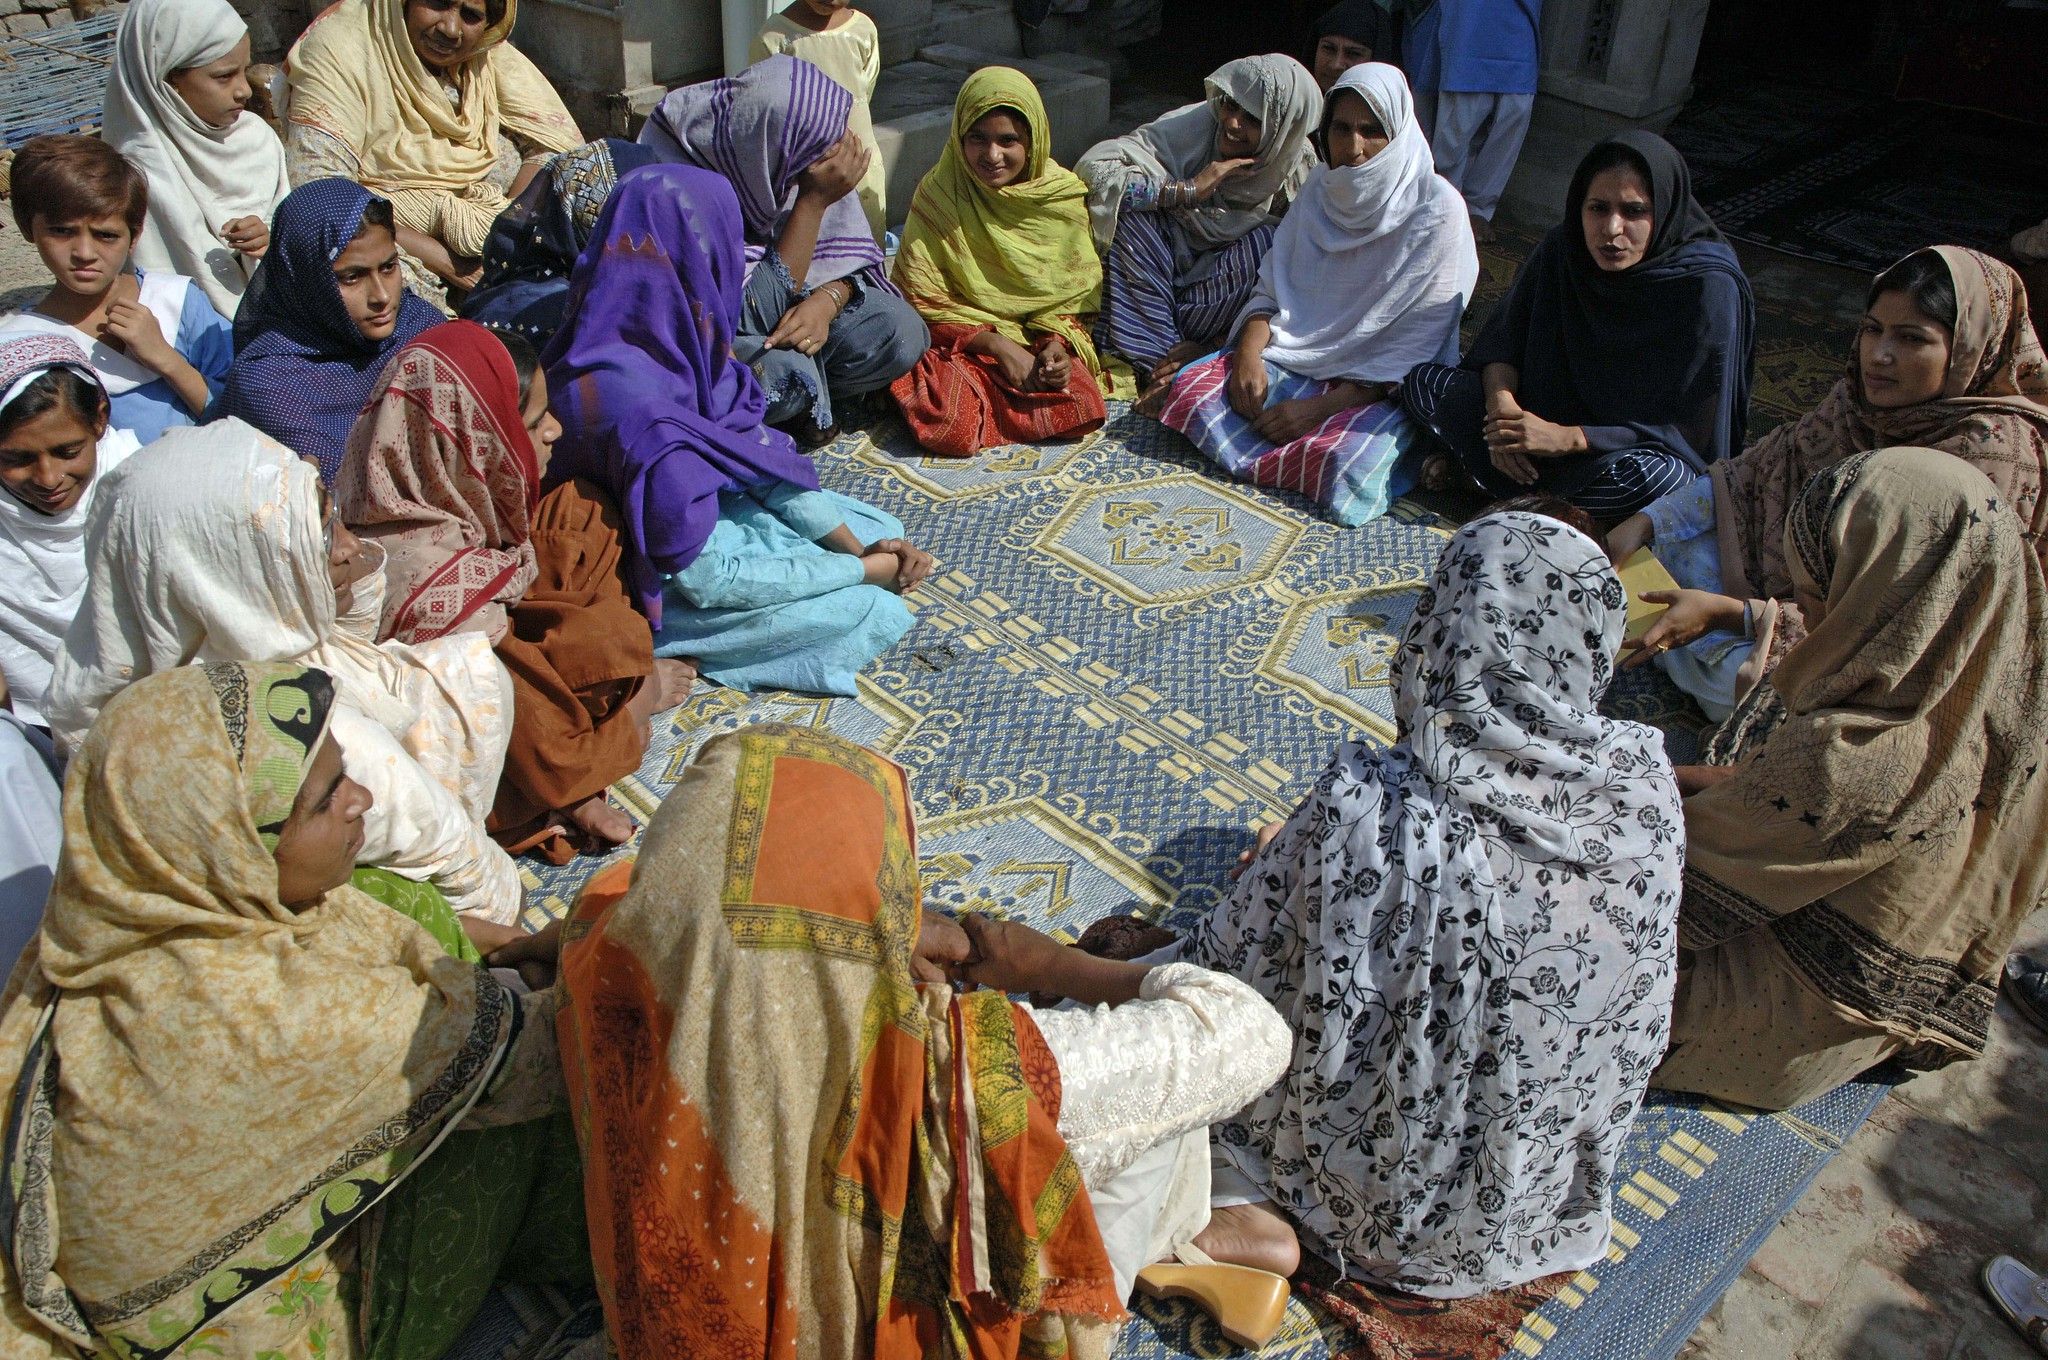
{"x":843,"y":43}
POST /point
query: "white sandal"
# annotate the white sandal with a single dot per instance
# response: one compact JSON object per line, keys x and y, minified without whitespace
{"x":2021,"y":1295}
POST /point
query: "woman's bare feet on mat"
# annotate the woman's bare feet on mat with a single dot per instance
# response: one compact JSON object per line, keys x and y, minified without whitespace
{"x":674,"y":678}
{"x":1263,"y":838}
{"x":1255,"y":1235}
{"x":1439,"y":472}
{"x":598,"y":820}
{"x":1152,"y":402}
{"x":671,"y":682}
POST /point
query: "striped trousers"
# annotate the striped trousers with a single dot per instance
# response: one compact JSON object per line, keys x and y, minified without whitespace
{"x":1147,"y":309}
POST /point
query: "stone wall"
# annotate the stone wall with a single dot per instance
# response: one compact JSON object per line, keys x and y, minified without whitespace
{"x":274,"y":24}
{"x":33,"y":16}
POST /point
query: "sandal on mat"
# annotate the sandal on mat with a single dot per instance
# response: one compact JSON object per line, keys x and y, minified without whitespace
{"x":1248,"y":1305}
{"x":2019,"y":1293}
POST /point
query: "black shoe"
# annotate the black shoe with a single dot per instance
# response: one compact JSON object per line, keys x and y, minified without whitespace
{"x":2026,"y":986}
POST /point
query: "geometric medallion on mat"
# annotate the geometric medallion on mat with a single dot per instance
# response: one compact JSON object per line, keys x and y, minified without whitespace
{"x":1121,"y":665}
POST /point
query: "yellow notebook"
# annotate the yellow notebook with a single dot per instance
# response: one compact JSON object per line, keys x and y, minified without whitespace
{"x":1639,"y":575}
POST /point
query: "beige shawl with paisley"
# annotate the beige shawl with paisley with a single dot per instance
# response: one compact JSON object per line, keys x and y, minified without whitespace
{"x":1888,"y":834}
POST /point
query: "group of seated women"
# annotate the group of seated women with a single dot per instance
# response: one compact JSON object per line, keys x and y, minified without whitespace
{"x":395,"y":597}
{"x":767,"y":1101}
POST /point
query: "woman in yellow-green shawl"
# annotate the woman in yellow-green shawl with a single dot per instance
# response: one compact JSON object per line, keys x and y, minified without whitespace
{"x":253,"y":1108}
{"x":998,"y":259}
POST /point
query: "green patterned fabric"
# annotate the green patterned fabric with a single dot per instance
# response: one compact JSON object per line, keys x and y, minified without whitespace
{"x":276,"y":717}
{"x":489,"y":1205}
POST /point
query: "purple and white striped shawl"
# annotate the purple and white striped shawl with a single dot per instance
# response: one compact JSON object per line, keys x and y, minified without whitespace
{"x":761,"y":129}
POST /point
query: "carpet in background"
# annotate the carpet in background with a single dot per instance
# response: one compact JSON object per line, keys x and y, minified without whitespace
{"x":1857,"y":180}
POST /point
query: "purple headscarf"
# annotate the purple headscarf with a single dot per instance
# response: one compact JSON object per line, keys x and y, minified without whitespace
{"x":761,"y":129}
{"x":654,"y":408}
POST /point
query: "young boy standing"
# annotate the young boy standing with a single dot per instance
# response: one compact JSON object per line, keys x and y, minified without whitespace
{"x":1472,"y":65}
{"x":845,"y":44}
{"x":158,"y":346}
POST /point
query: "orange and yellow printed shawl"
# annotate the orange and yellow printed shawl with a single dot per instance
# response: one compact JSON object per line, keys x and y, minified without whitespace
{"x":790,"y":1149}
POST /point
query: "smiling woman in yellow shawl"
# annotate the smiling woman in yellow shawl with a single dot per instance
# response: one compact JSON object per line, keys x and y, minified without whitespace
{"x":425,"y":103}
{"x":997,"y":258}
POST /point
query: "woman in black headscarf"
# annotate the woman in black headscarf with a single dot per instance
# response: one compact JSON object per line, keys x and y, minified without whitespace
{"x":1618,"y":367}
{"x":1349,"y":34}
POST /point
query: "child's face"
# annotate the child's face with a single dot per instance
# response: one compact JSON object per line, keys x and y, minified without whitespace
{"x":825,"y":9}
{"x":87,"y":255}
{"x":367,"y":273}
{"x":219,"y":91}
{"x":48,"y":460}
{"x":540,"y":422}
{"x":997,"y":148}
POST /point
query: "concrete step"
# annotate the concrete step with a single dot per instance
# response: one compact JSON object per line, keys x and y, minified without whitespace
{"x":913,"y":111}
{"x":984,"y":25}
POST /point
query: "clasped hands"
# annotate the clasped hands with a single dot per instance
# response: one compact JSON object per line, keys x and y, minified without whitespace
{"x":1516,"y":438}
{"x":986,"y":952}
{"x":1046,"y":366}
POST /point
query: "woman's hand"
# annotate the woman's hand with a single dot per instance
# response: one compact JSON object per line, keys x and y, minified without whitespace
{"x":1691,"y":614}
{"x":880,"y":569}
{"x":1247,"y":386}
{"x":1177,"y":358}
{"x":833,"y":175}
{"x":1012,"y":957}
{"x":1529,"y":434}
{"x":1629,"y":537}
{"x":913,"y":564}
{"x":1216,"y":174}
{"x":805,"y":326}
{"x":941,"y":951}
{"x":1052,"y":367}
{"x":249,"y":235}
{"x":1286,"y":421}
{"x":1015,"y":365}
{"x":534,"y":957}
{"x":1694,"y":779}
{"x":1502,"y":407}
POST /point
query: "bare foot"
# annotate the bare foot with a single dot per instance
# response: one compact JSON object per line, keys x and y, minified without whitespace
{"x":1154,"y":400}
{"x":1265,"y":837}
{"x":674,"y":678}
{"x":1254,"y":1235}
{"x":1482,"y":229}
{"x":1439,"y":472}
{"x":600,"y":821}
{"x":669,"y":685}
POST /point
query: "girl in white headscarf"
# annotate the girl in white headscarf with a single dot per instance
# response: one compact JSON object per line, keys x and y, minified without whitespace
{"x":176,"y":105}
{"x":1473,"y":933}
{"x":55,"y":445}
{"x":218,"y":544}
{"x":1368,"y":276}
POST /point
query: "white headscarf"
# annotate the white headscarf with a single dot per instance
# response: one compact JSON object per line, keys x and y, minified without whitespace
{"x":200,"y":177}
{"x":210,"y":546}
{"x":42,"y":557}
{"x":1275,"y":89}
{"x":1371,"y":269}
{"x":1474,"y":935}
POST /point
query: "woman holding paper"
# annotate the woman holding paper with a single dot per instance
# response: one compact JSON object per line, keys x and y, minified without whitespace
{"x":1945,"y":359}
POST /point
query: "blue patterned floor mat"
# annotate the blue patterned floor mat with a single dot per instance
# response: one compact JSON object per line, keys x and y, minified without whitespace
{"x":1121,"y":665}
